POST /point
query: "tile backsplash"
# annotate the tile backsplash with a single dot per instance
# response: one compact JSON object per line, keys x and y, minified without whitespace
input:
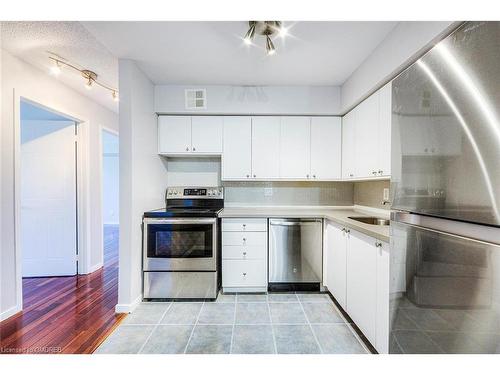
{"x":279,"y":193}
{"x":371,"y":193}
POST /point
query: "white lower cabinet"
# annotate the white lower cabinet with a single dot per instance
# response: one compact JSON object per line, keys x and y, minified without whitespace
{"x":362,"y":283}
{"x":335,"y":268}
{"x":357,"y":275}
{"x":244,"y":255}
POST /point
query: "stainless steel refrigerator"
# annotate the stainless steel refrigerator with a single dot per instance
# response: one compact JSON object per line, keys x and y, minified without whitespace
{"x":445,"y":193}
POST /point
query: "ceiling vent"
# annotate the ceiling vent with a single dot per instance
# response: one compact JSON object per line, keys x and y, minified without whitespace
{"x":196,"y":98}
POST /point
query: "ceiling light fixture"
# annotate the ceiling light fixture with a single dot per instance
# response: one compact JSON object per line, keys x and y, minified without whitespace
{"x":268,"y":29}
{"x":270,"y":46}
{"x":250,"y":33}
{"x":56,"y":68}
{"x":89,"y":76}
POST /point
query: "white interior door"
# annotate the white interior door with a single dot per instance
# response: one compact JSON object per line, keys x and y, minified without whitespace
{"x":48,"y":198}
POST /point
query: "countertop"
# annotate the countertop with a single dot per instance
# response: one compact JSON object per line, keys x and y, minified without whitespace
{"x":337,"y":215}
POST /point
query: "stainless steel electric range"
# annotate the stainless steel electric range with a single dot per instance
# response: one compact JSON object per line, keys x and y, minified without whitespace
{"x":181,"y":245}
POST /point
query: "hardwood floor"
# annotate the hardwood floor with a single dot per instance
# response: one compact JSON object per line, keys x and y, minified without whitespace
{"x":66,"y":314}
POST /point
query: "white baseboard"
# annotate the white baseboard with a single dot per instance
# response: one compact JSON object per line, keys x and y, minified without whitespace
{"x":95,"y":267}
{"x":9,"y":312}
{"x":127,"y":308}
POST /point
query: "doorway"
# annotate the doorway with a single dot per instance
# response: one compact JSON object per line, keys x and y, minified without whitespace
{"x":110,"y":195}
{"x":48,"y":193}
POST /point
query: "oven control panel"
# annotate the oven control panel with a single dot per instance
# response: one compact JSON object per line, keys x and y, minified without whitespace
{"x":215,"y":192}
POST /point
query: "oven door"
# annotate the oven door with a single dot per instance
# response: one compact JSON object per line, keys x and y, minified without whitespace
{"x":180,"y":244}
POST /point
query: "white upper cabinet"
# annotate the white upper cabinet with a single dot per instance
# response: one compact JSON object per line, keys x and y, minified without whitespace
{"x":295,"y":148}
{"x":348,"y":140}
{"x":206,"y":135}
{"x":326,"y":145}
{"x":265,"y":147}
{"x":237,"y":148}
{"x":366,"y":137}
{"x":174,"y":134}
{"x":384,"y":130}
{"x":190,"y":135}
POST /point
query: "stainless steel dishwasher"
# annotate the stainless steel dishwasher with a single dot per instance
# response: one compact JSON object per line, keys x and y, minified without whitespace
{"x":295,"y":254}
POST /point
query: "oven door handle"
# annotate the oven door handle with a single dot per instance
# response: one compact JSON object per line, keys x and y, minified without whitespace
{"x":181,"y":221}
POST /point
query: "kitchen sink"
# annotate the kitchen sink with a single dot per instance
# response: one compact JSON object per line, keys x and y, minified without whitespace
{"x":370,"y":220}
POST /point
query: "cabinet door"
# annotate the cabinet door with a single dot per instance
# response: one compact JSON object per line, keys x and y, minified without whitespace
{"x":207,"y":134}
{"x":174,"y":134}
{"x":265,"y":147}
{"x":362,"y":282}
{"x":295,"y":153}
{"x":237,"y":148}
{"x":382,"y":324}
{"x":336,"y":262}
{"x":348,"y":138}
{"x":366,"y":141}
{"x":326,"y":148}
{"x":384,"y":143}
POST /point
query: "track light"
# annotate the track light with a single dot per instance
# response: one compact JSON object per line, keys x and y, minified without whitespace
{"x":267,"y":29}
{"x":270,"y":46}
{"x":56,"y":68}
{"x":250,"y":33}
{"x":88,"y":84}
{"x":283,"y":31}
{"x":89,"y":76}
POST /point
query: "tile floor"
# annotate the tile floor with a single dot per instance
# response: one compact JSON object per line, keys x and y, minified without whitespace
{"x":284,"y":323}
{"x":452,"y":331}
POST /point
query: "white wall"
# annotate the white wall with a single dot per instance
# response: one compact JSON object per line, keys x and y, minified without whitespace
{"x":31,"y":82}
{"x":143,"y":176}
{"x":293,"y":100}
{"x":401,"y":47}
{"x":110,"y":178}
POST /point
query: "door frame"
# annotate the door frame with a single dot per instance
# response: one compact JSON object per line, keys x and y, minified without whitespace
{"x":82,"y":186}
{"x":103,"y":128}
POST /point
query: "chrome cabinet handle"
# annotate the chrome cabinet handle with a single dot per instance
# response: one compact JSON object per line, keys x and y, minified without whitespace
{"x":351,"y":175}
{"x":378,"y":244}
{"x":343,"y":229}
{"x":254,"y":176}
{"x":314,"y":176}
{"x":187,"y":148}
{"x":244,"y":273}
{"x":244,"y":253}
{"x":194,"y":149}
{"x":248,"y":176}
{"x":374,"y":172}
{"x":307,"y":176}
{"x":348,"y":231}
{"x":380,"y":172}
{"x":244,"y":226}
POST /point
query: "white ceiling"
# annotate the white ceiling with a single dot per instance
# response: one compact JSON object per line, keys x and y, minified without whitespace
{"x":30,"y":41}
{"x":316,"y":53}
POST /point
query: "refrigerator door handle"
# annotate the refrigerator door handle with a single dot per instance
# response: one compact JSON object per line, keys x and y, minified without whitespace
{"x":469,"y":231}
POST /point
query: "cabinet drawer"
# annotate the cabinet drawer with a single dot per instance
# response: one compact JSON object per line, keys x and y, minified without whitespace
{"x":244,"y":252}
{"x":244,"y":239}
{"x":244,"y":225}
{"x":244,"y":273}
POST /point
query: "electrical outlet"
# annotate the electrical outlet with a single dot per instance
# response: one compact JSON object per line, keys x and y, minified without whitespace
{"x":386,"y":194}
{"x":268,"y":192}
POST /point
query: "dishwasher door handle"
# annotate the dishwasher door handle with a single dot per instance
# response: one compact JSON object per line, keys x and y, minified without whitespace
{"x":294,"y":223}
